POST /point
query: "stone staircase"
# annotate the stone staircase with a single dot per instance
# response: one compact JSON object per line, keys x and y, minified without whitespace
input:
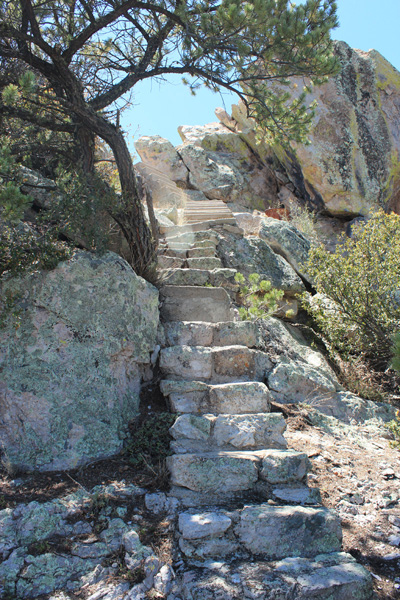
{"x":244,"y":495}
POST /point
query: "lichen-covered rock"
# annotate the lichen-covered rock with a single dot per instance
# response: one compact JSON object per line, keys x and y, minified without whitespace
{"x":352,"y":163}
{"x":242,"y":175}
{"x":159,"y":154}
{"x":254,"y":255}
{"x":71,"y":372}
{"x":295,"y":381}
{"x":287,"y":241}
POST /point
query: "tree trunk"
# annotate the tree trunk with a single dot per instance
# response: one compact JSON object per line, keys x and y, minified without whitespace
{"x":85,"y":140}
{"x":130,"y":215}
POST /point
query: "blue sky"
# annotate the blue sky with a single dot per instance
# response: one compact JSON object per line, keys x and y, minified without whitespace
{"x":158,"y":109}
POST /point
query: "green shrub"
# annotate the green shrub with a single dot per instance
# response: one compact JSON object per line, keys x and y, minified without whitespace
{"x":259,"y":299}
{"x":358,"y":306}
{"x":394,"y":427}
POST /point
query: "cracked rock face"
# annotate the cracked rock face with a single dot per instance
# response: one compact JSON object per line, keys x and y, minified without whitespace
{"x":71,"y":372}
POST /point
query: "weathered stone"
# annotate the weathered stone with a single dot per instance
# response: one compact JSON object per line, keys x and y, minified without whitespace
{"x":163,"y":580}
{"x":298,"y":382}
{"x":224,"y":278}
{"x":205,"y":262}
{"x":287,"y":241}
{"x":336,"y":576}
{"x":253,"y":255}
{"x":246,"y":432}
{"x":201,"y":251}
{"x":190,"y":362}
{"x":214,"y":176}
{"x":297,"y":495}
{"x":191,"y":303}
{"x":47,"y":572}
{"x":284,"y":466}
{"x":227,"y":432}
{"x":184,"y":277}
{"x":169,"y":262}
{"x":191,"y":427}
{"x":71,"y":373}
{"x":349,"y":408}
{"x":189,"y":333}
{"x":287,"y":341}
{"x":160,"y":154}
{"x":223,"y":166}
{"x":191,"y":238}
{"x":239,"y":363}
{"x":200,"y":525}
{"x":214,"y":472}
{"x":242,"y":333}
{"x":186,"y":333}
{"x":283,"y":531}
{"x":248,"y":222}
{"x":240,"y":398}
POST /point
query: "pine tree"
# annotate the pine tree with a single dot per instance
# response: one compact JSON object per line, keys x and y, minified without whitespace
{"x":82,"y":59}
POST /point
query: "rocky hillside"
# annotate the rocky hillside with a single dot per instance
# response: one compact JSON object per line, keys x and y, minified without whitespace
{"x":269,"y":453}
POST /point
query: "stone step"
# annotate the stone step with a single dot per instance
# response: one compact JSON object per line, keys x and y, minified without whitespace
{"x":192,"y":238}
{"x":334,"y":576}
{"x":181,"y":303}
{"x":169,"y":262}
{"x":221,"y":364}
{"x":201,"y":251}
{"x":204,"y":262}
{"x":229,"y":398}
{"x":199,"y":226}
{"x":201,"y":277}
{"x":243,"y":333}
{"x":194,"y":433}
{"x":218,"y":474}
{"x":271,"y":532}
{"x":175,"y":253}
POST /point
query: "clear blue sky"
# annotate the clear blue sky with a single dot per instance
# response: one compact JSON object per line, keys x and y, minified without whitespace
{"x":158,"y":109}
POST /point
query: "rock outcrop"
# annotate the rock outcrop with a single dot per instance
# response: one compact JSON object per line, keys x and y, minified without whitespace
{"x":352,"y":164}
{"x":71,"y":369}
{"x":350,"y":167}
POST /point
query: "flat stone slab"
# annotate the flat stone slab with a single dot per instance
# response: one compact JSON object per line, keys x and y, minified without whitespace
{"x":184,"y":303}
{"x":204,"y":262}
{"x":200,"y":226}
{"x":201,"y":251}
{"x":283,"y":531}
{"x":229,"y":398}
{"x":284,"y":466}
{"x":274,"y":532}
{"x":228,"y":432}
{"x":336,"y":576}
{"x":224,"y":278}
{"x":243,"y":333}
{"x":214,"y":471}
{"x":192,"y":238}
{"x":220,"y":364}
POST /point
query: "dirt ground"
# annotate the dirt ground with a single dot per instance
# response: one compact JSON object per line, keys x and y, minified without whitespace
{"x":363,"y":485}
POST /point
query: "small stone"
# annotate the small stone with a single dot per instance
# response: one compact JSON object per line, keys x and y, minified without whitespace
{"x":202,"y":525}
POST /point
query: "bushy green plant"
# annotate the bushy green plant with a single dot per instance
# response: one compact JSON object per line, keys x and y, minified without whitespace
{"x":259,"y":299}
{"x":394,"y":427}
{"x":358,"y":305}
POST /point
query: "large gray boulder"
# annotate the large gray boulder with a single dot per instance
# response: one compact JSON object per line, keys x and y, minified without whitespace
{"x":70,"y":374}
{"x":254,"y":255}
{"x":288,"y":242}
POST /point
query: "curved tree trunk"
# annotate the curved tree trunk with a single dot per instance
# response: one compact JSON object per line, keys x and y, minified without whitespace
{"x":129,"y":215}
